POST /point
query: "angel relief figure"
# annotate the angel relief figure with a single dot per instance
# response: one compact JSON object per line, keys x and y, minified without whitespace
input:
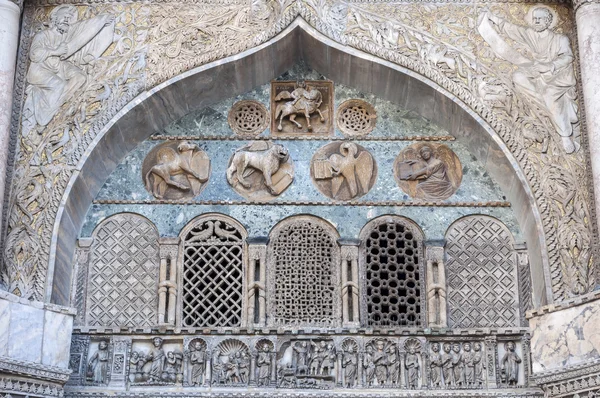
{"x":428,"y":172}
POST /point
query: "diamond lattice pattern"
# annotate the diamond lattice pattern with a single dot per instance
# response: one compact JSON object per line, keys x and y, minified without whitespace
{"x":123,"y":273}
{"x":303,"y":275}
{"x":481,"y":274}
{"x":213,"y":276}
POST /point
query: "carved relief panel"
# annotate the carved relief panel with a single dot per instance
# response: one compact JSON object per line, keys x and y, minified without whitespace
{"x":343,"y":170}
{"x":302,"y":108}
{"x":303,"y":273}
{"x":175,"y":170}
{"x":231,"y":363}
{"x":356,"y":118}
{"x":481,"y":274}
{"x":428,"y":171}
{"x":248,"y":118}
{"x":212,"y":281}
{"x":391,"y":261}
{"x":260,"y":170}
{"x":307,"y":363}
{"x":123,"y":274}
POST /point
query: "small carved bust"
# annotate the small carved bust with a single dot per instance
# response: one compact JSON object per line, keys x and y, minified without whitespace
{"x":428,"y":171}
{"x":343,"y":170}
{"x":176,"y":170}
{"x":260,"y":170}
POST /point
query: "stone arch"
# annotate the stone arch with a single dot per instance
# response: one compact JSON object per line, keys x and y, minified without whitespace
{"x":212,"y":262}
{"x":398,"y":300}
{"x":303,"y":261}
{"x":123,"y":273}
{"x":299,"y":41}
{"x":480,"y":257}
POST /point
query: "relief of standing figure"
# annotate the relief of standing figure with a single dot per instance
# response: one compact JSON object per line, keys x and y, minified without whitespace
{"x":412,"y":364}
{"x":479,"y":364}
{"x":510,"y":365}
{"x":350,"y":365}
{"x":435,"y":362}
{"x":198,"y":362}
{"x":263,"y":365}
{"x":98,"y":364}
{"x":157,"y":356}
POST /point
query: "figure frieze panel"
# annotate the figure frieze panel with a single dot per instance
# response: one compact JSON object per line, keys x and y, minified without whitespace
{"x":302,"y":108}
{"x":307,"y":363}
{"x":510,"y":364}
{"x":176,"y":170}
{"x":350,"y":363}
{"x":356,"y":118}
{"x":455,"y":364}
{"x":381,"y":363}
{"x":248,"y":118}
{"x":265,"y":363}
{"x":428,"y":171}
{"x":413,"y":364}
{"x":196,"y":357}
{"x":158,"y":363}
{"x":231,"y":364}
{"x":343,"y":170}
{"x":260,"y":170}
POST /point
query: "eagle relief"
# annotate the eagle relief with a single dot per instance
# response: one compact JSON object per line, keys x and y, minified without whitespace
{"x":302,"y":108}
{"x":176,"y":170}
{"x":428,"y":171}
{"x":343,"y":170}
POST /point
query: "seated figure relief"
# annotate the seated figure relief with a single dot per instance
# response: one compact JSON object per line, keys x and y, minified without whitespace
{"x":343,"y":170}
{"x":260,"y":170}
{"x":428,"y":171}
{"x":176,"y":170}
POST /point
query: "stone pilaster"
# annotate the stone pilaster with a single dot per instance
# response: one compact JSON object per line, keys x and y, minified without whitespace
{"x":587,"y":15}
{"x":9,"y":42}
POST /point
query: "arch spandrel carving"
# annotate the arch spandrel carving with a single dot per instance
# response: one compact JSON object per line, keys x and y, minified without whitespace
{"x":445,"y":57}
{"x":303,"y":277}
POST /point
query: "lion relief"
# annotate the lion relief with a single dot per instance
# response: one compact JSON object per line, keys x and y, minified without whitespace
{"x":260,"y":170}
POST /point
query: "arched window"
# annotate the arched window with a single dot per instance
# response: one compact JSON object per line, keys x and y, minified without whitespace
{"x":303,"y":280}
{"x":481,"y":274}
{"x":123,"y":273}
{"x":212,"y":280}
{"x":391,"y":260}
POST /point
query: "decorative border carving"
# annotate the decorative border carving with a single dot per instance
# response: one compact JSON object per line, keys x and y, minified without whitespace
{"x":302,"y":138}
{"x":579,"y":3}
{"x":35,"y":370}
{"x":28,"y":388}
{"x":571,"y":380}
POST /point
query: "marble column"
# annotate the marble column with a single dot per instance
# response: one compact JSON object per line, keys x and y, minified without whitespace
{"x":587,"y":15}
{"x":9,"y":42}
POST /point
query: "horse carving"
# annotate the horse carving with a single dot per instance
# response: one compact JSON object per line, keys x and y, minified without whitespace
{"x":304,"y":100}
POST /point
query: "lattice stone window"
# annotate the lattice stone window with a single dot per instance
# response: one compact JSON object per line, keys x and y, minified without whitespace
{"x":391,"y":260}
{"x":303,"y":273}
{"x":213,"y":272}
{"x":123,"y":274}
{"x":481,"y":274}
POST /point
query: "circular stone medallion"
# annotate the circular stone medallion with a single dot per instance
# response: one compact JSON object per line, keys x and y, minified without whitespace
{"x":428,"y":171}
{"x":260,"y":170}
{"x":248,"y":118}
{"x":343,"y":170}
{"x":356,"y":118}
{"x":175,"y":170}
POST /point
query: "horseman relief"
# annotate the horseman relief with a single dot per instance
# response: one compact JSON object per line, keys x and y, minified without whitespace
{"x":301,"y":108}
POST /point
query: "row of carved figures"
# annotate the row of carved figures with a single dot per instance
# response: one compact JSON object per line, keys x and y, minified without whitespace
{"x":309,"y":363}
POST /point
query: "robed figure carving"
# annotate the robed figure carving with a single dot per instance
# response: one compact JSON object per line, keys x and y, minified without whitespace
{"x":304,"y":101}
{"x":545,"y":75}
{"x":57,"y":54}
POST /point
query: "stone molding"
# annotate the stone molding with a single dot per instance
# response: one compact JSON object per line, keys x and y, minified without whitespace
{"x":563,"y":305}
{"x":34,"y":370}
{"x":580,"y":3}
{"x":14,"y":388}
{"x":570,"y":380}
{"x":568,"y":372}
{"x":4,"y":295}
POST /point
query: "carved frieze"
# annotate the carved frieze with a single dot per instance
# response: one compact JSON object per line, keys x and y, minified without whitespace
{"x":231,"y":364}
{"x":302,"y":108}
{"x":196,"y":356}
{"x":176,"y":170}
{"x":260,"y":170}
{"x":356,"y":118}
{"x":343,"y":170}
{"x":248,"y":118}
{"x":428,"y":171}
{"x":307,"y":363}
{"x":156,"y":362}
{"x":510,"y":364}
{"x":98,"y":367}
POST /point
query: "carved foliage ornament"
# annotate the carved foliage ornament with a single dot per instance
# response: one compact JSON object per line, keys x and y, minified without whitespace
{"x":428,"y":171}
{"x":176,"y":170}
{"x":248,"y":118}
{"x":356,"y":117}
{"x":304,"y":107}
{"x":343,"y":170}
{"x":260,"y":170}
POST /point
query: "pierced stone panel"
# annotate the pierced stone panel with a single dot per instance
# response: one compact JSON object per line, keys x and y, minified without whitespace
{"x":481,"y":274}
{"x":213,"y":273}
{"x":248,"y":118}
{"x":123,"y":273}
{"x":304,"y":282}
{"x":356,"y":117}
{"x":392,"y":267}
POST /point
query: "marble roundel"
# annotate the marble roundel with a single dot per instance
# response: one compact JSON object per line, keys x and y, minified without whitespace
{"x":248,"y":118}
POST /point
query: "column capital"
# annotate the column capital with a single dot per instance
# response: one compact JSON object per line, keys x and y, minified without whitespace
{"x":577,"y":4}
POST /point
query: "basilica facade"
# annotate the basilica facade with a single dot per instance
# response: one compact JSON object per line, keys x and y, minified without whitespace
{"x":285,"y":198}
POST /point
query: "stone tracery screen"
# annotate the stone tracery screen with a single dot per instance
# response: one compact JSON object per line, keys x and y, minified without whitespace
{"x":392,"y":264}
{"x":303,"y":260}
{"x":213,"y":274}
{"x":481,"y":274}
{"x":123,"y":273}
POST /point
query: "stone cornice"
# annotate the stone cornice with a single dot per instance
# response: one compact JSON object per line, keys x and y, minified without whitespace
{"x":567,"y":373}
{"x":579,"y":3}
{"x":34,"y":370}
{"x":563,"y":305}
